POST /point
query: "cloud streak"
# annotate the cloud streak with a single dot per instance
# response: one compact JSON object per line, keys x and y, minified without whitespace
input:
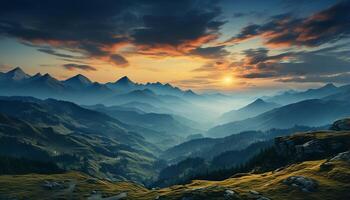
{"x":327,"y":26}
{"x":73,"y":67}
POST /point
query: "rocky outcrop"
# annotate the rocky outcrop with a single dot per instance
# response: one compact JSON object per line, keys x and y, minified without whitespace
{"x":312,"y":145}
{"x":305,"y":184}
{"x":52,"y":185}
{"x":344,"y":156}
{"x":341,"y":125}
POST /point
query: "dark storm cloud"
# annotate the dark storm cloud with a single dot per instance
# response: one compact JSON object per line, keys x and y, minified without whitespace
{"x":297,"y":66}
{"x":72,"y":66}
{"x":326,"y":26}
{"x":176,"y":29}
{"x":338,"y":78}
{"x":119,"y":60}
{"x":55,"y":53}
{"x":210,"y":52}
{"x":98,"y":29}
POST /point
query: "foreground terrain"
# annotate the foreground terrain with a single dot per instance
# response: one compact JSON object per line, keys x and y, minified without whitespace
{"x":322,"y":173}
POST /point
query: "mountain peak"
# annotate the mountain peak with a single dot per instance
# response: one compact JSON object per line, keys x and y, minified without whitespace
{"x":329,"y":85}
{"x":258,"y":101}
{"x":17,"y":74}
{"x":124,"y":81}
{"x":80,"y":78}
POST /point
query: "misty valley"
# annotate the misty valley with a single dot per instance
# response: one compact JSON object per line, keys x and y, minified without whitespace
{"x":79,"y":139}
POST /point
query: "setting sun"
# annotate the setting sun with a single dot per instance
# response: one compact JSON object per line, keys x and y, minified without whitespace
{"x":227,"y":80}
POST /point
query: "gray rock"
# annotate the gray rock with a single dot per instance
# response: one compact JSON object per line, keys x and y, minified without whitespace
{"x":345,"y":156}
{"x":341,"y":125}
{"x":303,"y":183}
{"x":263,"y":198}
{"x":229,"y":194}
{"x":53,"y":185}
{"x":311,"y":147}
{"x":254,"y":192}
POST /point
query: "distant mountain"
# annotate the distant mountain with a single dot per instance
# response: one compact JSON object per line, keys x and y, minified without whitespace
{"x":70,"y":135}
{"x":292,"y":97}
{"x":78,"y":82}
{"x":147,"y":108}
{"x":208,"y":148}
{"x":81,"y":90}
{"x":124,"y":84}
{"x":255,"y":108}
{"x":314,"y":112}
{"x":16,"y":74}
{"x":169,"y":130}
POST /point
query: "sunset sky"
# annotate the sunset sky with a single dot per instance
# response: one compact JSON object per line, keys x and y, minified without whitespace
{"x":228,"y":45}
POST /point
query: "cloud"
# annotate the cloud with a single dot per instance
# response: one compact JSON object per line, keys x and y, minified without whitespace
{"x":210,"y":52}
{"x":99,"y":29}
{"x":291,"y":66}
{"x":72,"y":67}
{"x":174,"y":30}
{"x":119,"y":60}
{"x":55,"y":53}
{"x":327,"y":26}
{"x":338,"y":78}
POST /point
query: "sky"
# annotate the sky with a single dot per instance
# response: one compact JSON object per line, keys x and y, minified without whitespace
{"x":204,"y":45}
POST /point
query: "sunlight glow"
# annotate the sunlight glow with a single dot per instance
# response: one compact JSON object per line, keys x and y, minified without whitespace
{"x":227,"y":80}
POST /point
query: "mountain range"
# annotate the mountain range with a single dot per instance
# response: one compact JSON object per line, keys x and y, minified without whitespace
{"x":70,"y":135}
{"x":313,"y":112}
{"x":160,"y":98}
{"x":317,"y":93}
{"x":255,"y":108}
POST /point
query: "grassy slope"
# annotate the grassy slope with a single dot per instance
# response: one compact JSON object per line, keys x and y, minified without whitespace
{"x":333,"y":184}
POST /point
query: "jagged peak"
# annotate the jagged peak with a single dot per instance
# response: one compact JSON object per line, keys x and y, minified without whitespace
{"x":17,"y":74}
{"x":124,"y":80}
{"x":81,"y":78}
{"x":329,"y":85}
{"x":38,"y":75}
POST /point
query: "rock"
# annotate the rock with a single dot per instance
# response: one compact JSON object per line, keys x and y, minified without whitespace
{"x":157,"y":197}
{"x":310,"y":148}
{"x":344,"y":156}
{"x":341,"y":125}
{"x":92,"y":180}
{"x":263,"y":198}
{"x":303,"y":183}
{"x":229,"y":194}
{"x":254,"y":192}
{"x":52,"y":185}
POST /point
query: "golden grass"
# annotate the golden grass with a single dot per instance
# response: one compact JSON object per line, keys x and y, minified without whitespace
{"x":333,"y":184}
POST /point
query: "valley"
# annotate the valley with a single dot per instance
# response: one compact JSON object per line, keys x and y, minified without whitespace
{"x":125,"y":140}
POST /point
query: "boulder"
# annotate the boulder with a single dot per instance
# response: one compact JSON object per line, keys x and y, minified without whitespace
{"x":341,"y":125}
{"x":229,"y":194}
{"x":305,"y":184}
{"x":263,"y":198}
{"x":344,"y":156}
{"x":254,"y":192}
{"x":53,"y":185}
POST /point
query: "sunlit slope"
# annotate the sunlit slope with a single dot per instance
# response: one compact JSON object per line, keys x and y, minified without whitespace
{"x":330,"y":180}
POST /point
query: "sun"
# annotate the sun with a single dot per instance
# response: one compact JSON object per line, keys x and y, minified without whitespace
{"x":227,"y":80}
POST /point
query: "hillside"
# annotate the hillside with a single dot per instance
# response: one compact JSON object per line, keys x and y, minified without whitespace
{"x":321,"y":178}
{"x":208,"y":148}
{"x":295,"y":96}
{"x":71,"y":137}
{"x":314,"y":112}
{"x":255,"y":108}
